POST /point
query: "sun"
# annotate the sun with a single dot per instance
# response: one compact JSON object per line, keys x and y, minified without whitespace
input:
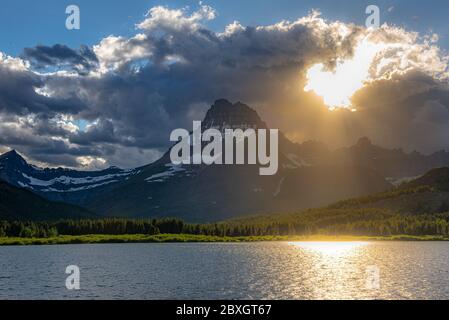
{"x":337,"y":86}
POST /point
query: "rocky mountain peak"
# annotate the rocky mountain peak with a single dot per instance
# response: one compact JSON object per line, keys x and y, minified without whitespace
{"x":12,"y":157}
{"x":225,"y":115}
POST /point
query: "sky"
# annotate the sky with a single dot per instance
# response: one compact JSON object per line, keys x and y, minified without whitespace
{"x":26,"y":23}
{"x":111,"y":92}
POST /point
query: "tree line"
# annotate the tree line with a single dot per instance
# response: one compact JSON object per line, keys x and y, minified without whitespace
{"x":369,"y":222}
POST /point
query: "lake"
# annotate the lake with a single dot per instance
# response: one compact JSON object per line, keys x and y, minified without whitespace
{"x":267,"y":270}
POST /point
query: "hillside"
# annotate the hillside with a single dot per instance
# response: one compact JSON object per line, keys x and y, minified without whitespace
{"x":427,"y":194}
{"x":20,"y":204}
{"x":419,"y":207}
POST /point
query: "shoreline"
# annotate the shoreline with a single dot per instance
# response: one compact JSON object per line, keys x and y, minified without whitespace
{"x":188,"y":238}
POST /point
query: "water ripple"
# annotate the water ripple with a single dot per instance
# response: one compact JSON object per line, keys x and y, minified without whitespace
{"x":407,"y":270}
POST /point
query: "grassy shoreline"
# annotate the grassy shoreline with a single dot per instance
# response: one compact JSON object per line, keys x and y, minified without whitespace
{"x":188,"y":238}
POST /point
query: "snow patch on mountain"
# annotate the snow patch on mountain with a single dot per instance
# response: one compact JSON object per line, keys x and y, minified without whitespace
{"x":92,"y":186}
{"x":71,"y":180}
{"x":279,"y":187}
{"x":296,"y":161}
{"x":398,"y":181}
{"x":66,"y":183}
{"x":170,"y":172}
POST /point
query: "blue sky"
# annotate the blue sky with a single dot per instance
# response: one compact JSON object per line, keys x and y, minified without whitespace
{"x":26,"y":23}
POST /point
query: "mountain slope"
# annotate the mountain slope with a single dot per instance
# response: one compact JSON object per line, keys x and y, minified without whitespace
{"x":20,"y":204}
{"x":437,"y":178}
{"x":426,"y":195}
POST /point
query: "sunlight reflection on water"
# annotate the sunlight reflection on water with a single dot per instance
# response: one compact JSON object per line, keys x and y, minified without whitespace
{"x":330,"y":248}
{"x":336,"y":269}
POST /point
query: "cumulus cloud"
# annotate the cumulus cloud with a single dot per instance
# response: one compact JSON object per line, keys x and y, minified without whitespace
{"x":132,"y":91}
{"x":163,"y":18}
{"x":401,"y":51}
{"x":114,"y":52}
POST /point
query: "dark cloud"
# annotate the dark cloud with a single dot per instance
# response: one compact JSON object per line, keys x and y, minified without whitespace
{"x":410,"y":111}
{"x":19,"y":96}
{"x":81,"y":60}
{"x":102,"y":132}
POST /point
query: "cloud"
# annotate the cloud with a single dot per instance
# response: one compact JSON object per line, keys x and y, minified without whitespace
{"x":132,"y":91}
{"x":163,"y":18}
{"x":81,"y":60}
{"x":21,"y":91}
{"x":114,"y":52}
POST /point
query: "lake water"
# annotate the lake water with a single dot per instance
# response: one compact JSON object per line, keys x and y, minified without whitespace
{"x":352,"y":270}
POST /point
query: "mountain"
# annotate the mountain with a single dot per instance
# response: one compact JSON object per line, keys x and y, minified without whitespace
{"x":58,"y":184}
{"x":20,"y":204}
{"x":310,"y":175}
{"x":210,"y":193}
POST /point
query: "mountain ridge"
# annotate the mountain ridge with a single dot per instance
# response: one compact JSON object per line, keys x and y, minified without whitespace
{"x":56,"y":184}
{"x":310,"y":175}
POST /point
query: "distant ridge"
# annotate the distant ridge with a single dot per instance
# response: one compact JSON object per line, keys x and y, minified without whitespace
{"x":57,"y":184}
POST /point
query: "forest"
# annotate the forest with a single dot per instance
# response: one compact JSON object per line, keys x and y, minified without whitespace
{"x":327,"y":221}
